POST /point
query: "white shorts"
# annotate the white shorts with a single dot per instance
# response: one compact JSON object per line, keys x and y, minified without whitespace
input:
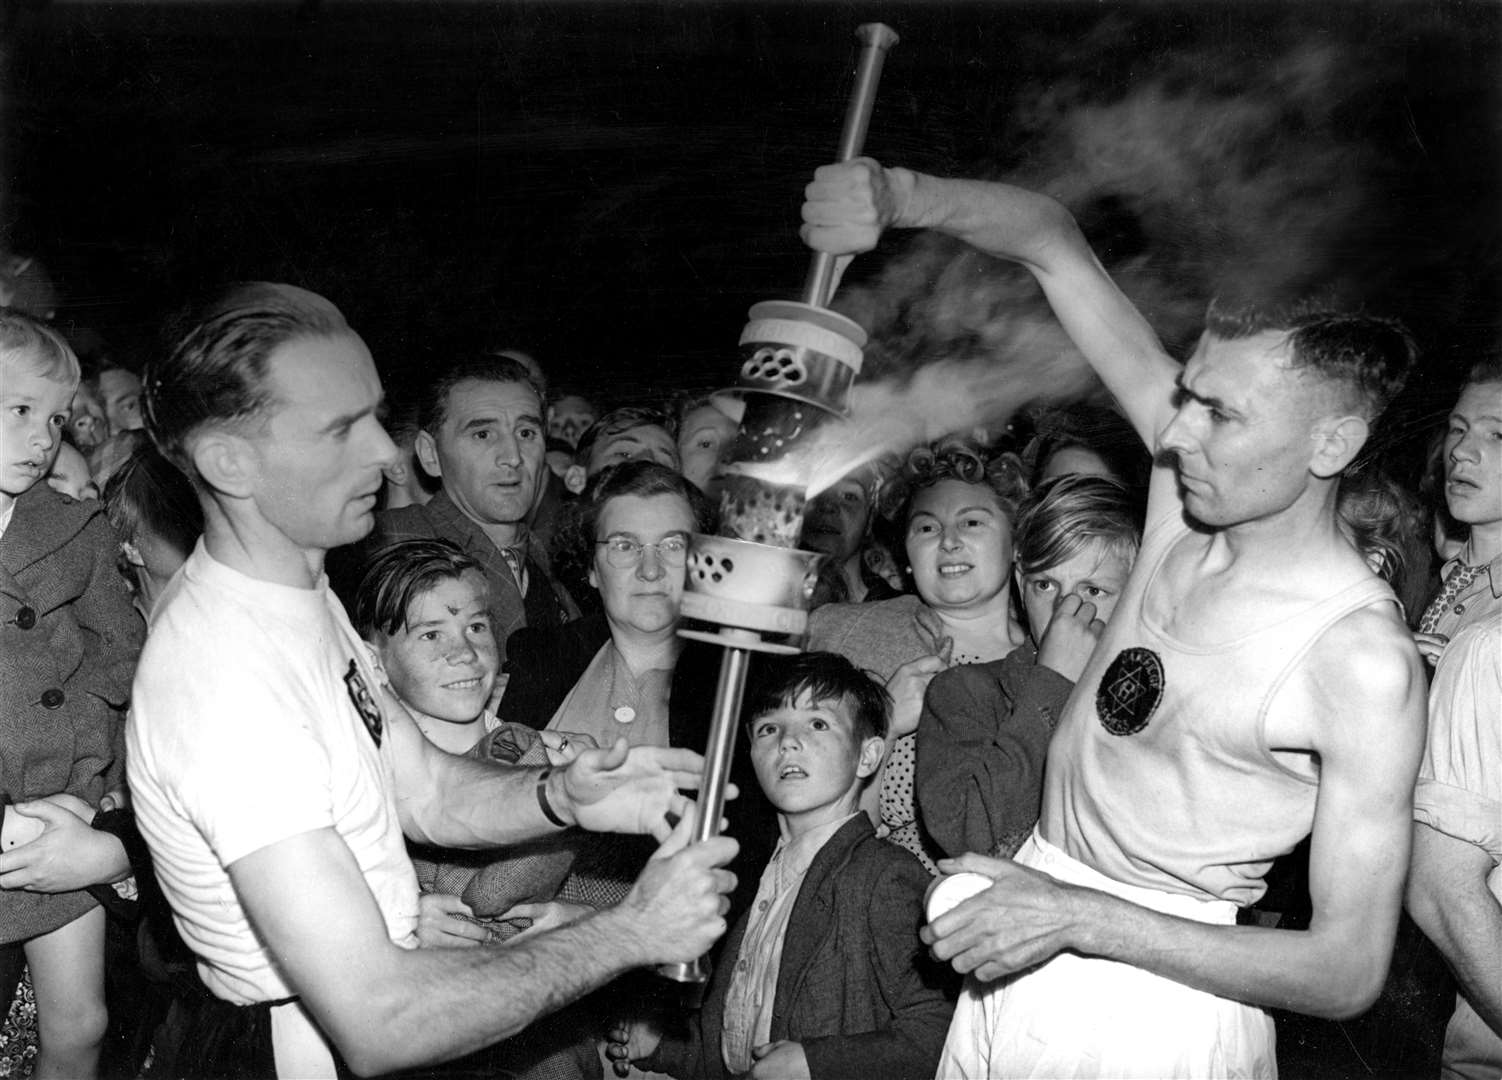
{"x":1078,"y":1016}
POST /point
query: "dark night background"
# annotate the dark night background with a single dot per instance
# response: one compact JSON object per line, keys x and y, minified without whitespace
{"x":611,"y":185}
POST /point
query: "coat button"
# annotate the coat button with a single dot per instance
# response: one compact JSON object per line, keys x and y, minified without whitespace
{"x":53,"y":699}
{"x":26,"y":618}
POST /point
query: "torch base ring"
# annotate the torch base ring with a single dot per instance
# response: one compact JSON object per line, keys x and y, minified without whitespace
{"x":721,"y":638}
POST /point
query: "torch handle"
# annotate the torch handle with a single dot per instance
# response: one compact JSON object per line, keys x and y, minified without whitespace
{"x":875,"y":39}
{"x":711,"y":802}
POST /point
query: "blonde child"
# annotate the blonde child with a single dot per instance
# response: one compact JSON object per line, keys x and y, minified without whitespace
{"x":68,"y":643}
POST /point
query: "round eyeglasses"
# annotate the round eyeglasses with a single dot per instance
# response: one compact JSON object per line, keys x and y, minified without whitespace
{"x":622,"y":552}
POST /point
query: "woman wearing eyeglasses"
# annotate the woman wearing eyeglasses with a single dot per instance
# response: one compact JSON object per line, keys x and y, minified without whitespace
{"x":624,"y":673}
{"x":608,"y":674}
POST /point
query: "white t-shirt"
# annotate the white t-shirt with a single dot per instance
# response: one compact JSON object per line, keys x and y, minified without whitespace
{"x":245,"y":731}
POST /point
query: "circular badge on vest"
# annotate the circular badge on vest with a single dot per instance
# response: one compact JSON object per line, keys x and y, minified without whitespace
{"x":1130,"y":691}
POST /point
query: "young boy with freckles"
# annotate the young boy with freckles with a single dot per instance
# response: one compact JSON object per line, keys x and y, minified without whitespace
{"x":824,"y":977}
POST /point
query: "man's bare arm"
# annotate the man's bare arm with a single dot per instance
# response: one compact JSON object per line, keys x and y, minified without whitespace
{"x":1448,"y":898}
{"x":1371,"y":732}
{"x":465,"y":803}
{"x":848,"y":206}
{"x":388,"y":1008}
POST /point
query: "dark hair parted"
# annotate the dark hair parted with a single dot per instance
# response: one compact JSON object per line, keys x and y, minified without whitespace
{"x":398,"y":574}
{"x":962,"y":460}
{"x":1488,"y":369}
{"x":620,"y":420}
{"x":149,"y":494}
{"x":1068,"y":513}
{"x":216,"y":371}
{"x":824,"y":676}
{"x":1368,"y":354}
{"x":433,"y":404}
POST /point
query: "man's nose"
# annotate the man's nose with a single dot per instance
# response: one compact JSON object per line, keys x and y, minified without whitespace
{"x":507,"y":450}
{"x":385,"y":452}
{"x":1175,"y":437}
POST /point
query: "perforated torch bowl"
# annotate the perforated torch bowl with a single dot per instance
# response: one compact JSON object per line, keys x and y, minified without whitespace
{"x":749,"y":586}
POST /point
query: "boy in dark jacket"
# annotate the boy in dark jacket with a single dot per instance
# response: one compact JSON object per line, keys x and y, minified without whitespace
{"x":824,"y":976}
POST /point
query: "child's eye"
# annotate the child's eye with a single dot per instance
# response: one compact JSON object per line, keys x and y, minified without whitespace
{"x":762,"y":730}
{"x":480,"y":627}
{"x":819,"y":724}
{"x":428,"y":635}
{"x":1094,"y":592}
{"x":1040,"y":585}
{"x":21,"y":410}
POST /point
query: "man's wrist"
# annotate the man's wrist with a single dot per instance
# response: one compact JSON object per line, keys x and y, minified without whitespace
{"x":912,"y":199}
{"x":623,"y":930}
{"x":553,"y":798}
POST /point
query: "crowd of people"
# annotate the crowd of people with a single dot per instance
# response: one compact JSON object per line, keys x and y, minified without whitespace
{"x":345,"y":735}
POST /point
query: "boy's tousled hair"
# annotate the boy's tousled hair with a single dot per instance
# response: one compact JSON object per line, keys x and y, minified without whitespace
{"x":397,"y":575}
{"x":824,"y":676}
{"x":1488,"y":369}
{"x":1370,"y":356}
{"x":37,"y":348}
{"x":617,"y":421}
{"x":215,"y":371}
{"x":1068,"y":513}
{"x":148,"y":493}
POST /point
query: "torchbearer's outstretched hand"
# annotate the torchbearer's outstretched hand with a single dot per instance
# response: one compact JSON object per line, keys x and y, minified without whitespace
{"x":626,"y":789}
{"x":676,"y":909}
{"x":848,"y":206}
{"x":1022,"y":920}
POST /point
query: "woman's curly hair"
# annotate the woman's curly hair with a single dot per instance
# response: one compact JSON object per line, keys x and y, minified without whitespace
{"x":955,"y":458}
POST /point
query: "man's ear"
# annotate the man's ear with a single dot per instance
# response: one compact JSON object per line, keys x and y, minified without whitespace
{"x":132,"y":553}
{"x":1337,"y":441}
{"x":873,"y":750}
{"x":427,"y":454}
{"x":226,"y":462}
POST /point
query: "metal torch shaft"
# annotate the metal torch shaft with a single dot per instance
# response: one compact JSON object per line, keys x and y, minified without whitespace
{"x":710,"y":805}
{"x":875,"y":39}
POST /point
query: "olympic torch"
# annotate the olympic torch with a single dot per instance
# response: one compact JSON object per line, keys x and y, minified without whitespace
{"x":749,"y":587}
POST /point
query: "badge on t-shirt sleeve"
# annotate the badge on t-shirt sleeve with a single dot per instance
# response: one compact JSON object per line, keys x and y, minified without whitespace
{"x":364,"y":702}
{"x":1130,"y":691}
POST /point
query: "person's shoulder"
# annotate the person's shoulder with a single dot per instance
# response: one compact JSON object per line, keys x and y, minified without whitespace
{"x":1475,"y":645}
{"x":1365,"y":669}
{"x":830,"y":617}
{"x":48,"y":520}
{"x":883,"y":877}
{"x":401,"y":523}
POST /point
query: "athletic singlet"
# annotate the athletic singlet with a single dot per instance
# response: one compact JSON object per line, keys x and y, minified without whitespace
{"x":1160,"y":774}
